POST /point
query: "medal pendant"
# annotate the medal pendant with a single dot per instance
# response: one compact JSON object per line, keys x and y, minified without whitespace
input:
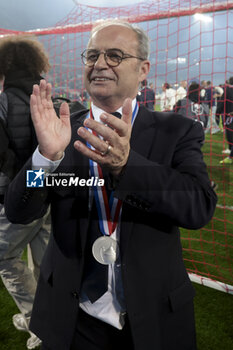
{"x":105,"y":250}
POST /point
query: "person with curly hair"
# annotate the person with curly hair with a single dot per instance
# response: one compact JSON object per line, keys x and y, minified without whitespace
{"x":22,"y":60}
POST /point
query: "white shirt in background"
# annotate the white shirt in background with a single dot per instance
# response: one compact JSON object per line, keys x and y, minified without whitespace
{"x":167,"y":99}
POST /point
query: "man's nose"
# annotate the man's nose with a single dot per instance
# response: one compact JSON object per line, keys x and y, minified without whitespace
{"x":101,"y":62}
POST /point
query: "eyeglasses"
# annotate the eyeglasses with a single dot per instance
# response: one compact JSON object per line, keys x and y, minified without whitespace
{"x":113,"y":57}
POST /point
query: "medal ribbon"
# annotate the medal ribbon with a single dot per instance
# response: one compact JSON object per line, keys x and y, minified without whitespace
{"x":108,"y":208}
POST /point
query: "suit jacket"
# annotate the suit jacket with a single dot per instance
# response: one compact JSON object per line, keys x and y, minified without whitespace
{"x":163,"y":186}
{"x":147,"y":98}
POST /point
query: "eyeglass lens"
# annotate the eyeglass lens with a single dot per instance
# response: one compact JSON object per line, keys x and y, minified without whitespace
{"x":113,"y":57}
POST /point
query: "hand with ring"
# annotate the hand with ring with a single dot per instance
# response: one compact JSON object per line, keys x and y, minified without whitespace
{"x":107,"y":150}
{"x":112,"y":148}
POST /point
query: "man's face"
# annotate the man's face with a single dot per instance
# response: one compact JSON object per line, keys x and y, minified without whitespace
{"x":204,"y":84}
{"x":112,"y":85}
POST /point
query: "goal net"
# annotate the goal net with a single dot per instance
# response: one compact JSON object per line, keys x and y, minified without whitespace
{"x":190,"y":41}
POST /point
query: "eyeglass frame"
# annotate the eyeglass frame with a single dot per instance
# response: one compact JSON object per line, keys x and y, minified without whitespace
{"x":98,"y":53}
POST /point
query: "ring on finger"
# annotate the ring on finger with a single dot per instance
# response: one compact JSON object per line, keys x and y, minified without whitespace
{"x":107,"y":151}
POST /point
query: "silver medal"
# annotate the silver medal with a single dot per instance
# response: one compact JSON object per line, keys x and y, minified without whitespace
{"x":105,"y":250}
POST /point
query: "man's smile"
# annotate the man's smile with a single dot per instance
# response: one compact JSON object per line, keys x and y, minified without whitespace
{"x":100,"y":79}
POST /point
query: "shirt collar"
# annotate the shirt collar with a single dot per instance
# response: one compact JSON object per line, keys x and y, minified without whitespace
{"x":96,"y":111}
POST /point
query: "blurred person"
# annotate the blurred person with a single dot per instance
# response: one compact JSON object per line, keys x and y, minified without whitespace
{"x":203,"y":90}
{"x":113,"y":276}
{"x":192,"y":106}
{"x":22,"y":60}
{"x":218,"y":92}
{"x":181,"y":92}
{"x":147,"y":96}
{"x":225,"y":108}
{"x":167,"y":98}
{"x":212,"y":126}
{"x":218,"y":97}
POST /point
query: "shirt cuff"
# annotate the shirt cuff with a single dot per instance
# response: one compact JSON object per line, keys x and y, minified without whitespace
{"x":39,"y":161}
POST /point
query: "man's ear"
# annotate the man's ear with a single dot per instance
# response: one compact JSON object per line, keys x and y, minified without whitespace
{"x":144,"y":70}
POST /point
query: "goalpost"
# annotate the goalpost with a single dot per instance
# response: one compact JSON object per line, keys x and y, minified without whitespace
{"x":190,"y":40}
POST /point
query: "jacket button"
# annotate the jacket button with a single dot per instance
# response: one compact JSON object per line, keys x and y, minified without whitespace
{"x":74,"y":295}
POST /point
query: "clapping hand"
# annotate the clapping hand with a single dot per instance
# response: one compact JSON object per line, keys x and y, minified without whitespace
{"x":53,"y":133}
{"x":112,"y":149}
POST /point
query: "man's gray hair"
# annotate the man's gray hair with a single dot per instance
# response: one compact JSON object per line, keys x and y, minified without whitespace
{"x":143,"y":40}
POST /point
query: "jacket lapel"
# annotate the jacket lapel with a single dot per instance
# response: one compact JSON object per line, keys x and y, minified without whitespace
{"x":142,"y":139}
{"x":143,"y":132}
{"x":83,"y":168}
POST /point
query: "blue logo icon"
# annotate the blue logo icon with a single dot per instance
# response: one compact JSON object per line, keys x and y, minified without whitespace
{"x":35,"y":178}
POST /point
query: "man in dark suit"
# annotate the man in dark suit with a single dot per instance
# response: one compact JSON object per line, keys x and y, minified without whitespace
{"x":146,"y":96}
{"x":113,"y":274}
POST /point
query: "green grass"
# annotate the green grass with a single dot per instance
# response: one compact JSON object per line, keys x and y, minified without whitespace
{"x":209,"y":251}
{"x":214,"y":319}
{"x":10,"y":338}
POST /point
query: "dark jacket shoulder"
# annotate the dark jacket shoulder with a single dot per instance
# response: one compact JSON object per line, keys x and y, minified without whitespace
{"x":170,"y":120}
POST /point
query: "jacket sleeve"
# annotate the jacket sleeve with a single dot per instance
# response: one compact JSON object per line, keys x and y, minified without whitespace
{"x":4,"y":139}
{"x":25,"y":204}
{"x":22,"y":204}
{"x":7,"y":155}
{"x":180,"y":190}
{"x":3,"y":107}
